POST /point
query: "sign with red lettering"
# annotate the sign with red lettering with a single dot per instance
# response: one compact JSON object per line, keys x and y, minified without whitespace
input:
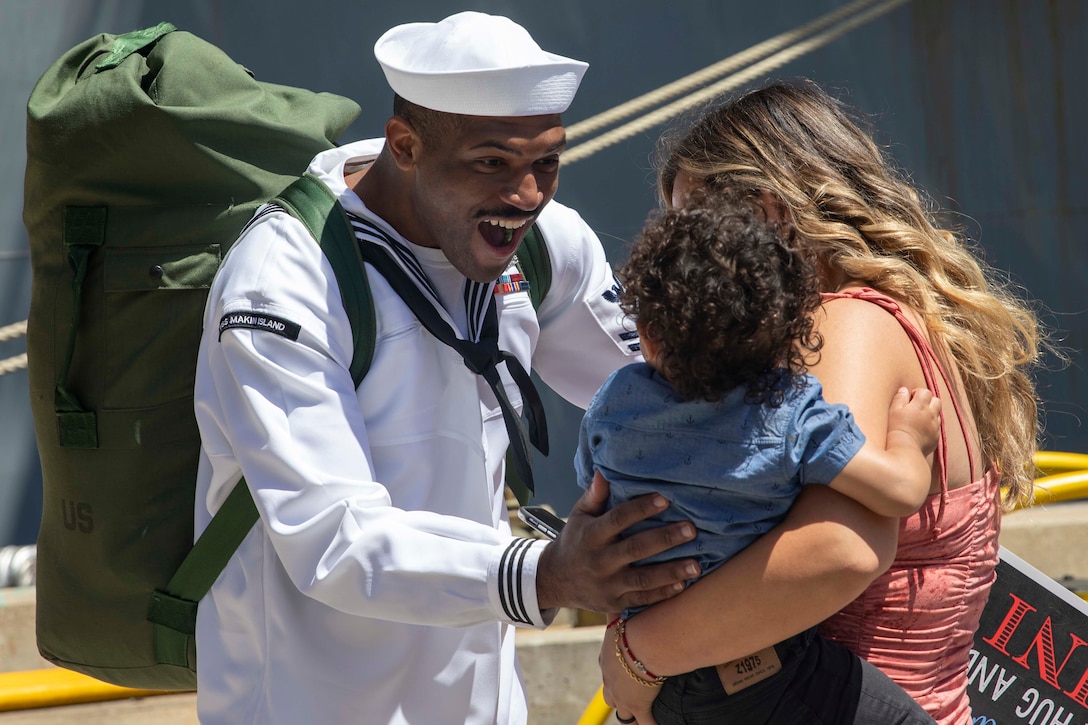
{"x":1030,"y":659}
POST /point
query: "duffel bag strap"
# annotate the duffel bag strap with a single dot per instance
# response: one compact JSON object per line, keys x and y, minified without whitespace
{"x":173,"y":610}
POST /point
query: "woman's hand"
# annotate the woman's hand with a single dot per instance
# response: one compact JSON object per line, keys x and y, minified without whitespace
{"x":621,"y":691}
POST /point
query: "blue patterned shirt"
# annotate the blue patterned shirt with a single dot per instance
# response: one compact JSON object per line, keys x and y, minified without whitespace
{"x":731,"y":468}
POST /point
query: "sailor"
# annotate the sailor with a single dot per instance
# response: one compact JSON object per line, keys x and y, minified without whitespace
{"x":382,"y":583}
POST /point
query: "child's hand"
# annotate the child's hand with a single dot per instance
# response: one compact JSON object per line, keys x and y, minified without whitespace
{"x":894,"y":479}
{"x":916,"y":413}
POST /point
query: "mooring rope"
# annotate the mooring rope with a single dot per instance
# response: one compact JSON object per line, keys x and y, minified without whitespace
{"x":775,"y":61}
{"x":698,"y":78}
{"x":11,"y":332}
{"x":699,"y":97}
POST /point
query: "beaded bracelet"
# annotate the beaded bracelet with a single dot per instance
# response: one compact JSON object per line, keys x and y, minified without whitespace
{"x":647,"y":678}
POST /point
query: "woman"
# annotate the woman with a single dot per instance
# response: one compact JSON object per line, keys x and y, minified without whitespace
{"x":906,"y":304}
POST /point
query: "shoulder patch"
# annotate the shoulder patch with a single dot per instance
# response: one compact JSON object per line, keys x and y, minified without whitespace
{"x":606,"y":310}
{"x":259,"y":321}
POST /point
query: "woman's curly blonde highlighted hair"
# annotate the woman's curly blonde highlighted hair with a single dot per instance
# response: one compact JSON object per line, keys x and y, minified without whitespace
{"x":858,"y":214}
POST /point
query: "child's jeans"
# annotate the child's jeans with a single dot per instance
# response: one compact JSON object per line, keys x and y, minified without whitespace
{"x":818,"y":682}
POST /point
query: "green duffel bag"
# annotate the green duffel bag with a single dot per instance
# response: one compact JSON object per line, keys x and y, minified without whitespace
{"x":146,"y":155}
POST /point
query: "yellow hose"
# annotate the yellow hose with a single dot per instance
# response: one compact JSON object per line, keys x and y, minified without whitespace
{"x":597,"y":711}
{"x":1069,"y":486}
{"x":1049,"y":463}
{"x":51,"y":687}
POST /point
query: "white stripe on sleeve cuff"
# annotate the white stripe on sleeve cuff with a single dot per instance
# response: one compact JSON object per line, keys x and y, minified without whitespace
{"x":512,"y":579}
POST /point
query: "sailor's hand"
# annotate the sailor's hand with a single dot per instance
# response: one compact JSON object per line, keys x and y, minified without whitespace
{"x":589,"y":565}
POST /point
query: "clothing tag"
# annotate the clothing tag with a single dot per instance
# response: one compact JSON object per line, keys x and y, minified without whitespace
{"x":746,"y":671}
{"x":259,"y":321}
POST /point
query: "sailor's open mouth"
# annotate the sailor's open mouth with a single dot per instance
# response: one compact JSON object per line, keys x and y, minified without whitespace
{"x":501,"y":232}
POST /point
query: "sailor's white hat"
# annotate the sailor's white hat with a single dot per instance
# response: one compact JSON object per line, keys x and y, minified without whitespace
{"x":478,"y":65}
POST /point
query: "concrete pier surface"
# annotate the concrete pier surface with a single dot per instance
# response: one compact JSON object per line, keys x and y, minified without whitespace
{"x":559,"y":664}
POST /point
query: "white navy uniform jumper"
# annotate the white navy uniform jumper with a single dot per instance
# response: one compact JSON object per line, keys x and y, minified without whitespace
{"x":382,"y":580}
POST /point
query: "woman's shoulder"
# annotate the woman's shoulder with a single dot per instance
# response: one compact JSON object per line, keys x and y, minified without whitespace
{"x":865,"y":314}
{"x":864,"y":344}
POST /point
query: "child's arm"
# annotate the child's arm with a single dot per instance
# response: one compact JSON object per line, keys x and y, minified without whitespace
{"x":894,"y":479}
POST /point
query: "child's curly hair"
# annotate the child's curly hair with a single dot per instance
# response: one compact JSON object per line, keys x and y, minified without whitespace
{"x":726,"y":299}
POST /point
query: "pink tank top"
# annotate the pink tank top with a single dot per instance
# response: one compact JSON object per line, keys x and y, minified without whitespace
{"x":917,"y":621}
